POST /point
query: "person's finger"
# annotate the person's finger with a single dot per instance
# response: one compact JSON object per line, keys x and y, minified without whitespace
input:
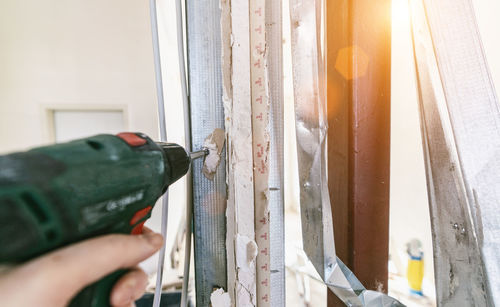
{"x":146,"y":230}
{"x":129,"y":288}
{"x":70,"y":269}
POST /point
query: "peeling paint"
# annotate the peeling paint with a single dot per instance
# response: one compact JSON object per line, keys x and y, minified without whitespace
{"x":220,"y":298}
{"x":214,"y":143}
{"x":241,"y":247}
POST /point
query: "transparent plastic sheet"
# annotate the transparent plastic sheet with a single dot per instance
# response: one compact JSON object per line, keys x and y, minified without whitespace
{"x":187,"y":134}
{"x":163,"y":138}
{"x":311,"y":130}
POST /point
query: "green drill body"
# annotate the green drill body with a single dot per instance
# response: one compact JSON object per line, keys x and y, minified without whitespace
{"x":56,"y":195}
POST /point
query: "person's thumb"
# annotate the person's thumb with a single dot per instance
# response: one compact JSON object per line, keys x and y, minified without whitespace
{"x":66,"y":271}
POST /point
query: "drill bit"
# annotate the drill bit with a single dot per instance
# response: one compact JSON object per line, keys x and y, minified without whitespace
{"x":198,"y":154}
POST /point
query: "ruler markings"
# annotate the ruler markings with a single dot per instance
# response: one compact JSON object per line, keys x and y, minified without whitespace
{"x":261,"y":148}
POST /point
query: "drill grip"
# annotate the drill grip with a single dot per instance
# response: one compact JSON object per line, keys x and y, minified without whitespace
{"x":98,"y":293}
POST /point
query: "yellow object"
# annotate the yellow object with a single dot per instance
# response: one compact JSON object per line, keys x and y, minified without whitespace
{"x":415,"y":274}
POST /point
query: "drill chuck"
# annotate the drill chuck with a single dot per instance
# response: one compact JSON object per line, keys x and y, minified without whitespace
{"x":178,"y":159}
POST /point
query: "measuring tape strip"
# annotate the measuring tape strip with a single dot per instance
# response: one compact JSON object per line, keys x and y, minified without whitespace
{"x":261,"y":147}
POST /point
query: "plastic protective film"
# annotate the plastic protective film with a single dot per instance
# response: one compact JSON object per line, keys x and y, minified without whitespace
{"x":311,"y":129}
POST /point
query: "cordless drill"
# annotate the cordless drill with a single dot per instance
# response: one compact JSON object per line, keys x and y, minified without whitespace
{"x":56,"y":195}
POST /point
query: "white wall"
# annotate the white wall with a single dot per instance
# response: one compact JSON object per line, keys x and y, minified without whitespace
{"x":72,"y":53}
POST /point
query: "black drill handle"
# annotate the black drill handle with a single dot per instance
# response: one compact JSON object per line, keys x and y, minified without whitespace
{"x":98,"y":293}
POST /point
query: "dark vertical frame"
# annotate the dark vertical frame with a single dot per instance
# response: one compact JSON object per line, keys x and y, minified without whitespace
{"x":358,"y":52}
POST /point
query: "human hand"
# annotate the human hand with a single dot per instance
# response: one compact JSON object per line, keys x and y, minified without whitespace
{"x":53,"y":279}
